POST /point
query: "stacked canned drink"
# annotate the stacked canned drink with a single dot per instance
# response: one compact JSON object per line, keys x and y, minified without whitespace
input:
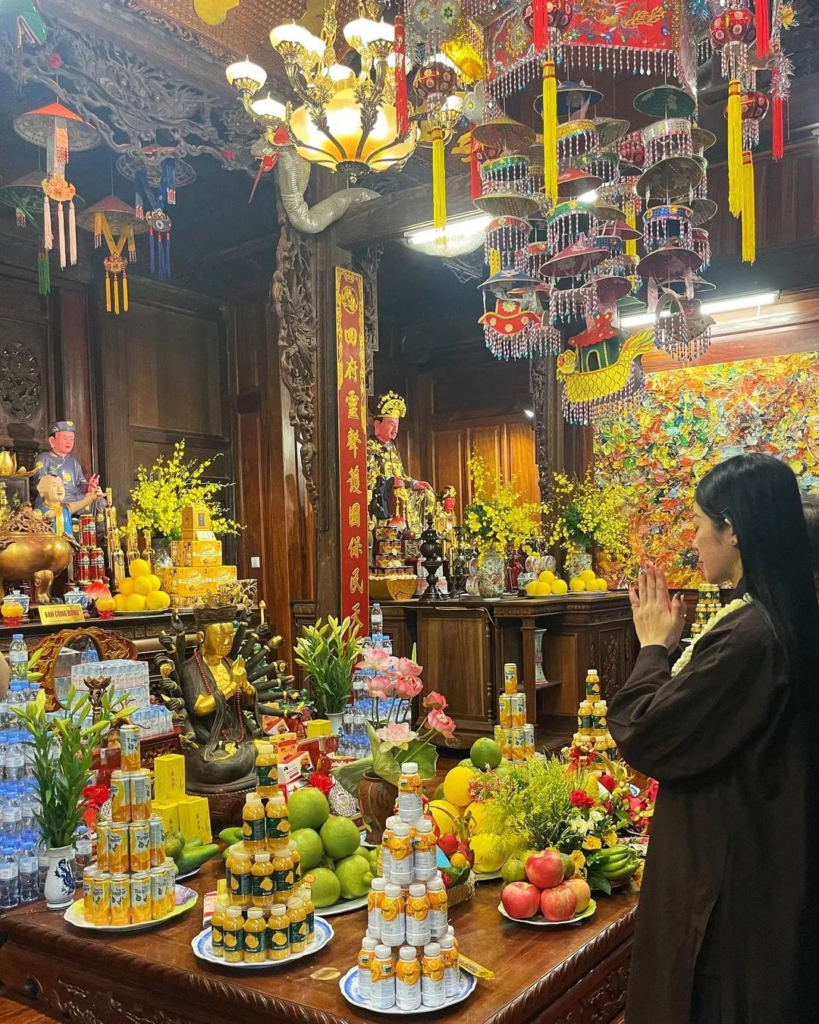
{"x":513,"y":734}
{"x":409,"y":955}
{"x":132,"y":881}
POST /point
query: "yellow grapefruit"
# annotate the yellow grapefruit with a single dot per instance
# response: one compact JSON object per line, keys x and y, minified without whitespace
{"x":456,"y":785}
{"x":135,"y":603}
{"x":157,"y":601}
{"x":559,"y":587}
{"x":445,"y":815}
{"x":139,"y":567}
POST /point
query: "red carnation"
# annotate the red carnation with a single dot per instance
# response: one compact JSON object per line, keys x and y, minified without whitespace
{"x":322,"y":782}
{"x":581,"y":799}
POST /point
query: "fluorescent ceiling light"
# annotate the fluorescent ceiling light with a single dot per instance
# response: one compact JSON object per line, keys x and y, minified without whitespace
{"x":454,"y":229}
{"x":756,"y":301}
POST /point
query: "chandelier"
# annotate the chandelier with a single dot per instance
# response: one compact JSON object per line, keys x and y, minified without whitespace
{"x":345,"y":120}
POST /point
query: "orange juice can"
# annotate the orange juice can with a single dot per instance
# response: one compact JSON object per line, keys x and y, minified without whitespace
{"x":518,"y":710}
{"x":101,"y":899}
{"x":88,"y":876}
{"x":518,"y":745}
{"x":499,"y":730}
{"x":140,"y":795}
{"x":505,"y":710}
{"x":120,"y":889}
{"x":130,"y":755}
{"x":120,"y":797}
{"x":102,"y":845}
{"x":506,"y":747}
{"x":510,"y":677}
{"x":529,"y":741}
{"x":159,"y":894}
{"x":118,"y":849}
{"x":139,"y":846}
{"x":140,"y":898}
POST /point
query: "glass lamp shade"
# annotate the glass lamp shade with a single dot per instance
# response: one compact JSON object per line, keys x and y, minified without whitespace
{"x":347,"y":148}
{"x":269,"y":109}
{"x":244,"y":74}
{"x":284,"y":37}
{"x":364,"y":33}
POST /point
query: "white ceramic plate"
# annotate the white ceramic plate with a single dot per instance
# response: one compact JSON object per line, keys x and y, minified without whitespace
{"x":185,"y":899}
{"x":188,"y":874}
{"x":349,"y":989}
{"x":202,"y":949}
{"x":490,"y":876}
{"x":540,"y":922}
{"x":344,"y":906}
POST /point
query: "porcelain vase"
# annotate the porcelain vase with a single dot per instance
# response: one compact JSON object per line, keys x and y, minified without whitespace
{"x":576,"y":562}
{"x":335,"y":721}
{"x":60,"y":882}
{"x":491,"y":575}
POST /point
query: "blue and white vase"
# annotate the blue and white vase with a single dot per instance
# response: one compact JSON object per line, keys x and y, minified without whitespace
{"x":60,"y":882}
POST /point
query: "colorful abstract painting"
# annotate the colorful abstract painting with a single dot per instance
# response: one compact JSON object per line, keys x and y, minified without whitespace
{"x":687,"y":421}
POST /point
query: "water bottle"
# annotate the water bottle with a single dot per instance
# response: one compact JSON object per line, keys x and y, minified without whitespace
{"x":18,"y":662}
{"x":14,"y":760}
{"x":376,"y":619}
{"x":9,"y":876}
{"x":361,"y":740}
{"x":28,"y":867}
{"x":359,"y":687}
{"x":12,"y":818}
{"x":84,"y":849}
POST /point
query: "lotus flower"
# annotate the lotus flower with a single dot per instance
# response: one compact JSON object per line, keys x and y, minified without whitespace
{"x":435,"y":700}
{"x":441,"y":723}
{"x":408,"y":687}
{"x":380,"y":687}
{"x":396,"y":735}
{"x":408,"y":667}
{"x":373,"y":658}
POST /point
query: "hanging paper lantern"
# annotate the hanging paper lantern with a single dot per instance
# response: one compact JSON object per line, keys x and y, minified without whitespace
{"x":754,"y":109}
{"x":732,"y":33}
{"x":115,"y":222}
{"x":58,"y":130}
{"x":435,"y":82}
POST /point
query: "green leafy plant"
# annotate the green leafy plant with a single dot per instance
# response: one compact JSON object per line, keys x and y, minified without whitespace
{"x":63,"y":752}
{"x":327,"y":652}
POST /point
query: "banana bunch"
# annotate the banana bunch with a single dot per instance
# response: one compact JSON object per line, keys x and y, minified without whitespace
{"x":615,"y":864}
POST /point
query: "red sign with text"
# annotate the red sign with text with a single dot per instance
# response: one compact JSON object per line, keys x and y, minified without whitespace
{"x":352,"y":444}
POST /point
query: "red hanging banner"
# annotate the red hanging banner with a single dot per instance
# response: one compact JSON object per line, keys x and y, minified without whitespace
{"x":352,"y":444}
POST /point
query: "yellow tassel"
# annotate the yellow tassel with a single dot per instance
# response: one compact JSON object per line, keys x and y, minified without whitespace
{"x":494,"y":261}
{"x":107,"y":292}
{"x":116,"y":295}
{"x":550,"y":132}
{"x":124,"y":292}
{"x":735,"y":173}
{"x":748,"y":209}
{"x":631,"y":243}
{"x":438,"y":184}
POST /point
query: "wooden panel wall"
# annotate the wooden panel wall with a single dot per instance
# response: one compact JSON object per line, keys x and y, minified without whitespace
{"x":271,"y":497}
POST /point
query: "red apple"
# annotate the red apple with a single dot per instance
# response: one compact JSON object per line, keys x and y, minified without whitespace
{"x":558,"y":903}
{"x":520,"y":900}
{"x":580,"y":888}
{"x":545,"y":870}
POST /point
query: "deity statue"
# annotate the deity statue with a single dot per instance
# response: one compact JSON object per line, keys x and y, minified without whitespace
{"x":444,"y":521}
{"x":55,"y":506}
{"x":217,"y":695}
{"x":391,"y":493}
{"x":61,"y":463}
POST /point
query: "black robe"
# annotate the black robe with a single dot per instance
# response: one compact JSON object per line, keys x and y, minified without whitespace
{"x":728,"y":922}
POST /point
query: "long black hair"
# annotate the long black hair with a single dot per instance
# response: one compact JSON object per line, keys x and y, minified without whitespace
{"x":759,"y":496}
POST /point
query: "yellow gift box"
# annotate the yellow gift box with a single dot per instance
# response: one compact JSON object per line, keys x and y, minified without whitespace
{"x":194,"y":818}
{"x":169,"y":777}
{"x":318,"y":727}
{"x":168,"y":811}
{"x":195,"y":520}
{"x":200,"y":552}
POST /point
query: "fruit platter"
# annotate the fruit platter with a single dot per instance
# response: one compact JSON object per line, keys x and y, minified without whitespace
{"x":547,"y":896}
{"x":330,"y":849}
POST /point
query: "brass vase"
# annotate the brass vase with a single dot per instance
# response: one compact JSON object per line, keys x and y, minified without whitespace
{"x":376,"y":799}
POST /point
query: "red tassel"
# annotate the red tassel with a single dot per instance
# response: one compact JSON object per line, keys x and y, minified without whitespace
{"x":474,"y":171}
{"x":778,"y":128}
{"x":401,"y":104}
{"x":540,"y":25}
{"x":763,"y":29}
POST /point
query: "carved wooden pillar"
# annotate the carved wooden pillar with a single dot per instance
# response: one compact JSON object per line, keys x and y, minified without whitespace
{"x":367,"y":261}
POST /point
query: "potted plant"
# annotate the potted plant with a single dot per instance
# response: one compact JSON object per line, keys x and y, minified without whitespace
{"x":63,"y":750}
{"x":497,"y":519}
{"x":328,"y":652}
{"x":584,"y":516}
{"x":373,"y":781}
{"x":170,"y":485}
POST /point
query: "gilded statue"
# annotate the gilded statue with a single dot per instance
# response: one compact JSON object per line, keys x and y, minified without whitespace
{"x":218,"y":691}
{"x":392,"y":495}
{"x":445,"y":520}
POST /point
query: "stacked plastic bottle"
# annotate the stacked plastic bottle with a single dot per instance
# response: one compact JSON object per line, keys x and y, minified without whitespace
{"x":708,"y":604}
{"x":353,"y":740}
{"x":264,"y":910}
{"x":132,"y":881}
{"x":513,"y":733}
{"x":592,"y":742}
{"x":409,"y":954}
{"x":22,"y":849}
